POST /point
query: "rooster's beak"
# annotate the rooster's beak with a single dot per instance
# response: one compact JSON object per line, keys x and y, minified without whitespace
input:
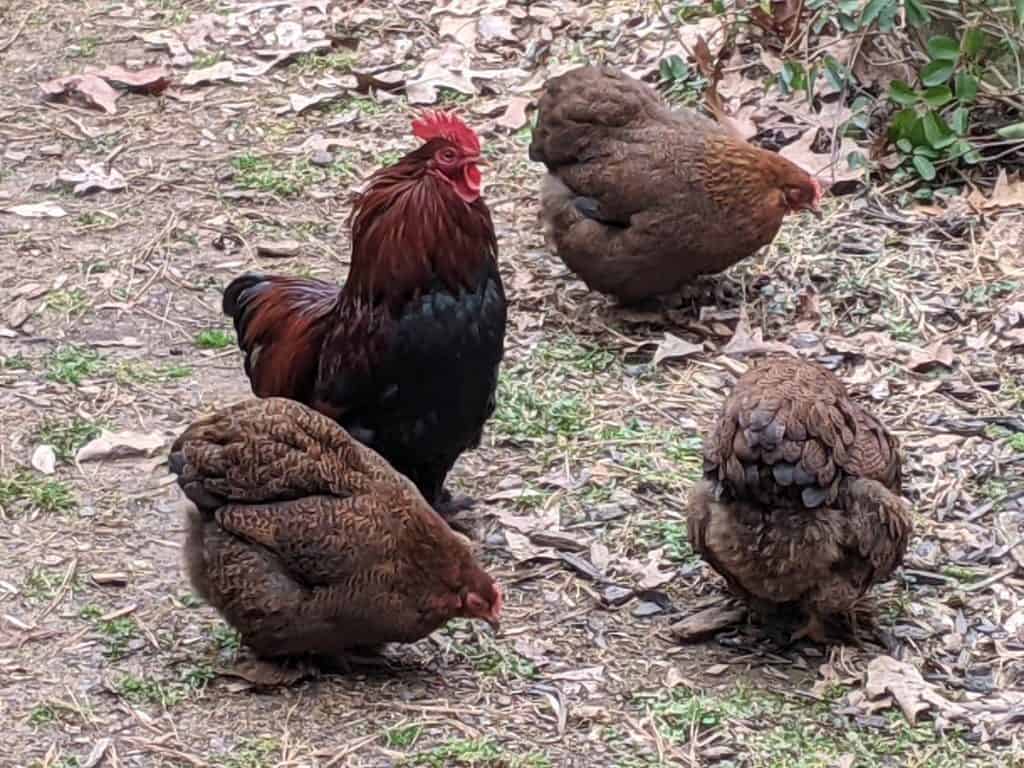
{"x":478,"y":161}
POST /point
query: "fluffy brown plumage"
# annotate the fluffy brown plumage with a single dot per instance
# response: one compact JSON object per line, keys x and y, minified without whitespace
{"x":405,"y":355}
{"x":800,"y":502}
{"x":640,"y":199}
{"x":308,"y":542}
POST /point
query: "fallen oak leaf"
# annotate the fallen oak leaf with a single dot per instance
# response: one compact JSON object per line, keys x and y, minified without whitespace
{"x":821,"y":165}
{"x":92,"y":177}
{"x":93,"y":90}
{"x":885,"y":675}
{"x":151,"y":80}
{"x":515,"y":114}
{"x":673,"y":347}
{"x":222,"y":70}
{"x":120,"y":445}
{"x":932,"y":355}
{"x":44,"y":210}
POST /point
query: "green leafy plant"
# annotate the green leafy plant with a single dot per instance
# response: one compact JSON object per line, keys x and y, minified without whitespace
{"x":933,"y":124}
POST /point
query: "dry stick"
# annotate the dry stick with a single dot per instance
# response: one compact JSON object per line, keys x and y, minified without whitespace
{"x":68,"y":575}
{"x":17,"y":33}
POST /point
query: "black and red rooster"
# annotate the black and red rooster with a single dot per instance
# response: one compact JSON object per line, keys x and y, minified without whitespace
{"x":405,"y":355}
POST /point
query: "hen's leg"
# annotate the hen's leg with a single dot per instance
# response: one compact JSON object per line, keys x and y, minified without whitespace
{"x":813,"y":630}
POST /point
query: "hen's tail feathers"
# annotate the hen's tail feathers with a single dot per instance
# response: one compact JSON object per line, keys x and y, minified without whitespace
{"x":267,"y":450}
{"x":281,"y":323}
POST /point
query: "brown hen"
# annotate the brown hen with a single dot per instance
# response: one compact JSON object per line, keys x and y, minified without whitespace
{"x":308,"y":542}
{"x":640,"y":199}
{"x":800,"y":502}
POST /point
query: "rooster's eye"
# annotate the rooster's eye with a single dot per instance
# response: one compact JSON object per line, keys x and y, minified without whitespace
{"x":447,"y":155}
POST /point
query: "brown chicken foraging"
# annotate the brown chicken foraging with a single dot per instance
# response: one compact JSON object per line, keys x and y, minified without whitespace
{"x":639,"y":200}
{"x":405,"y":355}
{"x":800,"y":503}
{"x":309,"y":543}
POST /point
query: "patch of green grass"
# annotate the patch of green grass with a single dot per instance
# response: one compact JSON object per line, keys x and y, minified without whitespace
{"x":15,"y":362}
{"x":72,"y":364}
{"x":142,"y":372}
{"x":165,"y":693}
{"x":1017,"y":442}
{"x":490,"y":659}
{"x":251,"y":753}
{"x":366,"y":107}
{"x":207,"y":59}
{"x":190,"y":600}
{"x":224,"y":638}
{"x":526,"y":412}
{"x":262,"y":174}
{"x":117,"y":634}
{"x":86,"y":48}
{"x":811,"y":735}
{"x":71,"y":303}
{"x":67,"y":436}
{"x":42,"y":714}
{"x":172,"y":11}
{"x":672,"y":536}
{"x":36,"y":492}
{"x":402,"y":736}
{"x":41,"y":584}
{"x":319,"y":64}
{"x":479,"y":753}
{"x":961,"y":574}
{"x":90,"y":612}
{"x":215,"y":338}
{"x":94,"y":219}
{"x":386,"y":158}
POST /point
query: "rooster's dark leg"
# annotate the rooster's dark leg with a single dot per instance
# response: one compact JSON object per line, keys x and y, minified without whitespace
{"x":447,"y":505}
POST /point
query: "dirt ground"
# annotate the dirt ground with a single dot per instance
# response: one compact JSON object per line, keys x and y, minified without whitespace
{"x":109,"y":320}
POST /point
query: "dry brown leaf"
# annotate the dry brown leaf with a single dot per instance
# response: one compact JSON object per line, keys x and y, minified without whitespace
{"x":89,"y":88}
{"x":222,"y":70}
{"x":932,"y":355}
{"x":458,"y":28}
{"x":153,"y":80}
{"x":92,"y":177}
{"x":493,"y":27}
{"x":821,"y":165}
{"x":442,"y":68}
{"x":119,"y":445}
{"x":747,"y":342}
{"x":44,"y":210}
{"x":672,"y":347}
{"x":515,"y":115}
{"x":885,"y":675}
{"x":1008,"y":192}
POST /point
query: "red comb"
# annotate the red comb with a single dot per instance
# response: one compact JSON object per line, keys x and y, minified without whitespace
{"x":433,"y":124}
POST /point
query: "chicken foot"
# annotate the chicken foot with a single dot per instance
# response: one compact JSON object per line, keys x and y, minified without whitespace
{"x":813,"y":630}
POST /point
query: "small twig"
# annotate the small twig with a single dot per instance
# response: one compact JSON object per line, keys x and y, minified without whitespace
{"x":17,"y":33}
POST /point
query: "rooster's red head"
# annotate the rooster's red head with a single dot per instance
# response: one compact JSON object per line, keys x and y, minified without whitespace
{"x":456,"y":151}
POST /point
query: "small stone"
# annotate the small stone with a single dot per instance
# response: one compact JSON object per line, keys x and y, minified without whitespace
{"x":321,"y":157}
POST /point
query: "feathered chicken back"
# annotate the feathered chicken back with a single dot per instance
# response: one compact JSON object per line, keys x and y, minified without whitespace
{"x":307,"y":541}
{"x":790,"y":434}
{"x":800,"y":498}
{"x":640,"y":199}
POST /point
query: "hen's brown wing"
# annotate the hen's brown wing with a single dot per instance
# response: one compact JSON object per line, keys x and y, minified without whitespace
{"x":275,"y":449}
{"x":281,"y":324}
{"x":789,"y":434}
